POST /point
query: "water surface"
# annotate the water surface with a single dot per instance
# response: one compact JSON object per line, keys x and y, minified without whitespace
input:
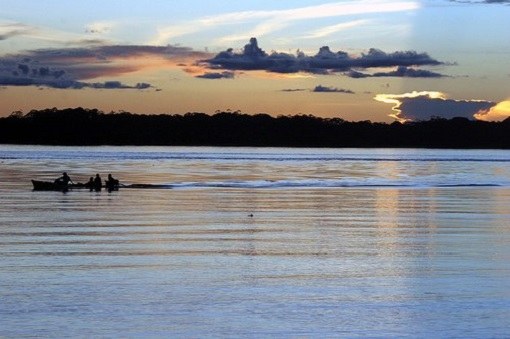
{"x":247,"y":242}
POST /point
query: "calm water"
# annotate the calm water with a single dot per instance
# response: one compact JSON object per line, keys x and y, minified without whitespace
{"x":246,"y":242}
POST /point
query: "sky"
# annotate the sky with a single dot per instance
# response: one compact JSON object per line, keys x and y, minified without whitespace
{"x":378,"y":60}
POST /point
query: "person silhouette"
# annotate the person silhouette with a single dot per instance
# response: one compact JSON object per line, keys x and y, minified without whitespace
{"x":98,"y":182}
{"x":64,"y":180}
{"x":90,"y":183}
{"x":111,"y":183}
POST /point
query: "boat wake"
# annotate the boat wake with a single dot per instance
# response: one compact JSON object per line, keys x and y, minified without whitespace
{"x":314,"y":184}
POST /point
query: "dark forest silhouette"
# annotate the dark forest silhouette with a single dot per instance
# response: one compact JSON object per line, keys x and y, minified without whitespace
{"x":79,"y":126}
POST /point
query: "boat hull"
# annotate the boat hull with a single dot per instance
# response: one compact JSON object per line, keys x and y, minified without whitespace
{"x":52,"y":186}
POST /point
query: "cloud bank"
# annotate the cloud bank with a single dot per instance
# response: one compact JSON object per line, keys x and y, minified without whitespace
{"x":416,"y":106}
{"x":253,"y":58}
{"x":71,"y":67}
{"x":74,"y":67}
{"x":60,"y":81}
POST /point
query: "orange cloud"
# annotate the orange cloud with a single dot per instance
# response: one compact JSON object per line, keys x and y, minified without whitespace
{"x":496,"y":113}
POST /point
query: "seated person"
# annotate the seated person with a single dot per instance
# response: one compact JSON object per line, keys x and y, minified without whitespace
{"x":90,"y":183}
{"x":97,"y":182}
{"x":111,"y":183}
{"x":64,"y":180}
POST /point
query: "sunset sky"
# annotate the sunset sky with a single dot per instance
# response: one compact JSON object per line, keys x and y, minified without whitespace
{"x":357,"y":60}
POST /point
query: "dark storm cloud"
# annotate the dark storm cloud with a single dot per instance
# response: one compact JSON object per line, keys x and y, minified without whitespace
{"x":324,"y":62}
{"x":326,"y":89}
{"x":425,"y":105}
{"x":69,"y":67}
{"x":213,"y":75}
{"x":401,"y":71}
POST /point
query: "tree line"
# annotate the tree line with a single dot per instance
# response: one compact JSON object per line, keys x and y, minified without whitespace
{"x":80,"y":126}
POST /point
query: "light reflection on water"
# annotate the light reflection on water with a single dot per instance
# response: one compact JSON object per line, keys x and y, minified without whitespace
{"x":311,"y":261}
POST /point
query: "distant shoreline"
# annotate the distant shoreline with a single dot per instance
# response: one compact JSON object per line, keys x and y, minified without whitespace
{"x":91,"y":127}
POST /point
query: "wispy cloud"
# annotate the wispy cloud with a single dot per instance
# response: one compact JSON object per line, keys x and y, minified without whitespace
{"x":401,"y":71}
{"x":46,"y":36}
{"x":325,"y":31}
{"x":100,"y":27}
{"x":291,"y":90}
{"x":269,"y":21}
{"x":9,"y":30}
{"x":424,"y":105}
{"x":261,"y":29}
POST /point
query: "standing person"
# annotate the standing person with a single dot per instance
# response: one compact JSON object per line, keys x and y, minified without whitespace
{"x":98,"y":182}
